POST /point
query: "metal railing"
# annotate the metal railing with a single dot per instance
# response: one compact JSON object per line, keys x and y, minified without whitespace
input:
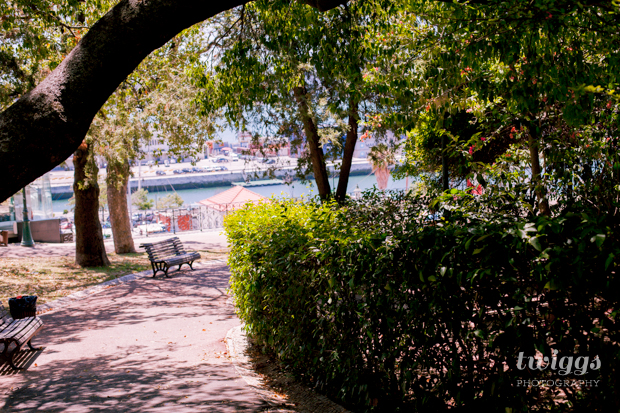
{"x":172,"y":221}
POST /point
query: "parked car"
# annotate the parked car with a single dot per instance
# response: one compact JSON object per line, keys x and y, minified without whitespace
{"x":177,"y":171}
{"x":197,"y":169}
{"x":186,"y":171}
{"x":222,"y":168}
{"x":161,"y":172}
{"x":269,"y":161}
{"x":145,"y":227}
{"x":220,"y":159}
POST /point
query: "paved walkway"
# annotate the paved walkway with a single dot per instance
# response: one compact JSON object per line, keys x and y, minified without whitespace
{"x":147,"y":345}
{"x":207,"y":240}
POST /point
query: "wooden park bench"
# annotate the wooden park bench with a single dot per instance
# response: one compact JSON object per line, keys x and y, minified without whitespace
{"x":18,"y":332}
{"x":167,"y":253}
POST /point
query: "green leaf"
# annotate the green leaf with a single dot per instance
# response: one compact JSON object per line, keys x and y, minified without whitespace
{"x":551,"y":285}
{"x":599,"y":239}
{"x":468,"y":242}
{"x":535,"y":243}
{"x":609,"y":261}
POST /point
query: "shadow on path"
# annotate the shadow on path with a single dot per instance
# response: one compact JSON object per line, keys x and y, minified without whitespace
{"x":147,"y":345}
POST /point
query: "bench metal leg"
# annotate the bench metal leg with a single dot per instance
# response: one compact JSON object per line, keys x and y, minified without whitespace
{"x":30,"y":345}
{"x":157,"y":267}
{"x":188,"y":263}
{"x":11,"y":361}
{"x":9,"y":356}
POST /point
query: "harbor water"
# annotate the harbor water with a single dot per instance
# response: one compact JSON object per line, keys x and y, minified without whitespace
{"x":295,"y":190}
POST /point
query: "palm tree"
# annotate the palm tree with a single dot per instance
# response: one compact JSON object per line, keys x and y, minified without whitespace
{"x":381,"y":156}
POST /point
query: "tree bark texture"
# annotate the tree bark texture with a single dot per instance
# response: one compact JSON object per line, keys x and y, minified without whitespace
{"x":89,"y":247}
{"x":349,"y":149}
{"x":312,"y":138}
{"x":117,"y":180}
{"x":539,"y":190}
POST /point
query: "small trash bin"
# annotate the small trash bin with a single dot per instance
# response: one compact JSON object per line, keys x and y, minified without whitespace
{"x":4,"y":238}
{"x":23,"y":306}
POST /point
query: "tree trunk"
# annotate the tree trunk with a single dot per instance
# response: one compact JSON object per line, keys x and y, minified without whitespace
{"x":47,"y":124}
{"x":533,"y":143}
{"x":445,"y":185}
{"x":349,"y":149}
{"x":117,"y":180}
{"x":89,"y":247}
{"x":312,"y":137}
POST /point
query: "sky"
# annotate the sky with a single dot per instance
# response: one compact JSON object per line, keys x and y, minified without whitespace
{"x":228,"y":135}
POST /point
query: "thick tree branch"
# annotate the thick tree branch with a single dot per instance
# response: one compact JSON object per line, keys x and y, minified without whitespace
{"x":47,"y":124}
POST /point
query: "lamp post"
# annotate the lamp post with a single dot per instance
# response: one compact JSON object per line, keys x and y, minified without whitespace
{"x":26,"y":233}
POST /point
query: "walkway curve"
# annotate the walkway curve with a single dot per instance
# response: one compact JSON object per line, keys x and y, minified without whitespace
{"x":146,"y":345}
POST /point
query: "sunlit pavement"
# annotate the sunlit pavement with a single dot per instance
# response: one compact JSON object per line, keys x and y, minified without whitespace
{"x":144,"y":346}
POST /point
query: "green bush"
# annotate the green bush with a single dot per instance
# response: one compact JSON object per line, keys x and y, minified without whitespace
{"x":385,"y":309}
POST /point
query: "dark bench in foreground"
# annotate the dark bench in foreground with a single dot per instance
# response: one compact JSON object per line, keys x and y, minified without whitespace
{"x":167,"y":253}
{"x":18,"y":332}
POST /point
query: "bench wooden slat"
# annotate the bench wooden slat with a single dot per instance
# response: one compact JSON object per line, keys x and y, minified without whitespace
{"x":21,"y":329}
{"x":19,"y":332}
{"x":169,"y":252}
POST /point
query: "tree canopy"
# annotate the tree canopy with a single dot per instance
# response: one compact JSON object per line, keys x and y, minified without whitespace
{"x":539,"y":77}
{"x":505,"y":61}
{"x":295,"y":73}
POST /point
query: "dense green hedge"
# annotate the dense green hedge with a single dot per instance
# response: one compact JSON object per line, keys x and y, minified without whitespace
{"x":381,"y":307}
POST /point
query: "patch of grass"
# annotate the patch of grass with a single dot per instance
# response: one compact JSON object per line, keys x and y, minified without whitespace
{"x":51,"y":278}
